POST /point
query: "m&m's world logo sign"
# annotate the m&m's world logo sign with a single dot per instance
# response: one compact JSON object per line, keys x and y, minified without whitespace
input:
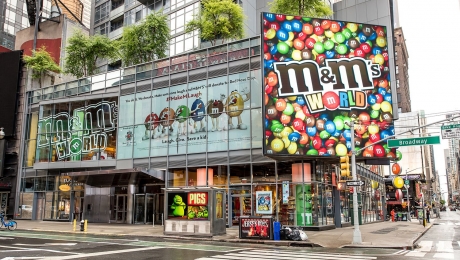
{"x":319,"y":75}
{"x":342,"y":77}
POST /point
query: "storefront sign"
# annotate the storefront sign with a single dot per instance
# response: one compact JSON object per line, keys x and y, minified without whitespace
{"x":285,"y":192}
{"x":197,"y":199}
{"x":264,"y":202}
{"x":80,"y":131}
{"x":260,"y":228}
{"x":314,"y":84}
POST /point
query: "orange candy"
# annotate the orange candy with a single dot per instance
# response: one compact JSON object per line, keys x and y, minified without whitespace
{"x":272,"y":79}
{"x":304,"y":138}
{"x":307,"y":29}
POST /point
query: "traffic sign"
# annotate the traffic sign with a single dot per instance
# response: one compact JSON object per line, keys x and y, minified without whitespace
{"x":355,"y":183}
{"x":406,"y":186}
{"x":416,"y":141}
{"x":450,"y":131}
{"x":406,"y":182}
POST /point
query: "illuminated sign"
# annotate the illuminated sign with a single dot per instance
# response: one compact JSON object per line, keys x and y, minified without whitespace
{"x":197,"y":199}
{"x":319,"y":75}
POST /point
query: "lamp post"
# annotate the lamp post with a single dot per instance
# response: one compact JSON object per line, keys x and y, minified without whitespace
{"x":407,"y":190}
{"x":357,"y":239}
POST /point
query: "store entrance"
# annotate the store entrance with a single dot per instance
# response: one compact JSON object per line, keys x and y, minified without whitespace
{"x":240,"y":206}
{"x":148,"y":208}
{"x":120,"y":208}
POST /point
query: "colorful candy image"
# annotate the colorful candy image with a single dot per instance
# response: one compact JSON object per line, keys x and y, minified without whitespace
{"x":310,"y":102}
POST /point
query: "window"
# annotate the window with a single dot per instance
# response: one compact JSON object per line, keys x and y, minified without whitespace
{"x":102,"y":29}
{"x":138,"y":16}
{"x":397,"y":83}
{"x":102,"y":12}
{"x":397,"y":69}
{"x":399,"y":97}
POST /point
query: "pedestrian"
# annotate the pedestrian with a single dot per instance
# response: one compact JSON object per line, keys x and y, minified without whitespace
{"x":392,"y":213}
{"x":428,"y":215}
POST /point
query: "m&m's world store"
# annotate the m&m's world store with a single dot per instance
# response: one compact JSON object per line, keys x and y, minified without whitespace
{"x":250,"y":128}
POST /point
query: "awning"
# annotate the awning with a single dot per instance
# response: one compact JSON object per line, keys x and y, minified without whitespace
{"x":116,"y":177}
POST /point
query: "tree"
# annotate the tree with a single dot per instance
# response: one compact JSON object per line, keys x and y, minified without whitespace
{"x":145,"y":42}
{"x":41,"y":62}
{"x":218,"y":19}
{"x":308,"y":8}
{"x":442,"y":202}
{"x":83,"y":51}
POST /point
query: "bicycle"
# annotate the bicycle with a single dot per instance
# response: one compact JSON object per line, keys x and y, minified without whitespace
{"x":10,"y":224}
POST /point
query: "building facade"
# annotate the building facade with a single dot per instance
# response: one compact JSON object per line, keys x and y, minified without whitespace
{"x":402,"y":71}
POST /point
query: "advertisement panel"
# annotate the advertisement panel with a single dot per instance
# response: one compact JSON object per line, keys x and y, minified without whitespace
{"x":207,"y":115}
{"x":193,"y":206}
{"x":264,"y":202}
{"x":260,"y":228}
{"x":319,"y":75}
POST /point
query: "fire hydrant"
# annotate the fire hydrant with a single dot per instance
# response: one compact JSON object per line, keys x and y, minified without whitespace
{"x":82,"y":225}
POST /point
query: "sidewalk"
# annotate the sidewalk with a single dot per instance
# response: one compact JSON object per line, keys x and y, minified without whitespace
{"x":391,"y":235}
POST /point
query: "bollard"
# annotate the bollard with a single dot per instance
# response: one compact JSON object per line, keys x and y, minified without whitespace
{"x":162,"y":219}
{"x":82,"y":225}
{"x":153,"y":221}
{"x":86,"y":225}
{"x":74,"y":225}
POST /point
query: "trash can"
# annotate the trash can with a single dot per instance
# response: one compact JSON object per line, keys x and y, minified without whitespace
{"x":276,"y":230}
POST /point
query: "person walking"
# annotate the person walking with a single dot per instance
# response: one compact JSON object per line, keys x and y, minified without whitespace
{"x":428,"y":215}
{"x":392,"y":213}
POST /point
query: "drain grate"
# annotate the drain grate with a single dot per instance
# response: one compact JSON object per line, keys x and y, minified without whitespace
{"x":384,"y":231}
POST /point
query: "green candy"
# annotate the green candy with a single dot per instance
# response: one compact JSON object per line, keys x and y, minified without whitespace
{"x":282,"y":47}
{"x":369,"y":42}
{"x":347,"y":33}
{"x":312,"y":152}
{"x":338,"y":121}
{"x":329,"y":45}
{"x":342,"y":49}
{"x":319,"y":47}
{"x":277,"y":128}
{"x":346,"y":122}
{"x":374,"y":114}
{"x":289,"y":109}
{"x":324,"y":135}
{"x":387,"y":150}
{"x":339,"y":37}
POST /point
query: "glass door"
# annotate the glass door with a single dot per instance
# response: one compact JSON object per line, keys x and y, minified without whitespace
{"x":159,"y":200}
{"x":120,"y":209}
{"x":241,"y":206}
{"x":139,"y":208}
{"x":149,"y":208}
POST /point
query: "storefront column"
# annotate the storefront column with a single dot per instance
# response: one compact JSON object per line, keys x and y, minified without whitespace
{"x":132,"y":189}
{"x":337,"y":213}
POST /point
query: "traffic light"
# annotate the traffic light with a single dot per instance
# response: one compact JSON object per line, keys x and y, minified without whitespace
{"x":344,"y":166}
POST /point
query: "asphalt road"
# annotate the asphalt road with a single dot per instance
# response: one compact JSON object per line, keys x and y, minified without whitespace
{"x":59,"y":246}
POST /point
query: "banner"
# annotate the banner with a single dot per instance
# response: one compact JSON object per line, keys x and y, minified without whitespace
{"x":264,"y":202}
{"x":207,"y":115}
{"x":256,"y":228}
{"x":319,"y":75}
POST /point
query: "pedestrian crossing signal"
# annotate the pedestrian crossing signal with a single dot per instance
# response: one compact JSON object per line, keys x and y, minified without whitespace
{"x":344,"y":166}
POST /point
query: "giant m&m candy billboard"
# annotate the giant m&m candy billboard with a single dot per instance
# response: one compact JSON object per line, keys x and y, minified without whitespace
{"x":319,"y":75}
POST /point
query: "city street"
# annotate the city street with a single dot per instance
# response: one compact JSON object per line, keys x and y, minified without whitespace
{"x":43,"y":245}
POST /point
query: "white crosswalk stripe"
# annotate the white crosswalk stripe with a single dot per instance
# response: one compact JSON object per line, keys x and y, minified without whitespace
{"x":283,"y":255}
{"x":441,"y":249}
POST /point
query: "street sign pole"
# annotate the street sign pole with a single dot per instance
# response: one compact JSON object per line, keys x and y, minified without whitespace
{"x":357,"y":239}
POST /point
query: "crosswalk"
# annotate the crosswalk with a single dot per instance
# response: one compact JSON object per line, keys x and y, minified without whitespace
{"x":283,"y":255}
{"x":449,"y":223}
{"x":440,"y":249}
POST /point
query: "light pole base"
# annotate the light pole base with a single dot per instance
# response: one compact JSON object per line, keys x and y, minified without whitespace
{"x":357,"y":239}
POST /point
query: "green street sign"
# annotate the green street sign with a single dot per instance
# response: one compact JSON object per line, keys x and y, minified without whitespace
{"x":416,"y":141}
{"x":406,"y":182}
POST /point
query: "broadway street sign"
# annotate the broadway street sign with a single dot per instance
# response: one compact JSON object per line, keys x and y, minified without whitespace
{"x":414,"y":141}
{"x":355,"y":183}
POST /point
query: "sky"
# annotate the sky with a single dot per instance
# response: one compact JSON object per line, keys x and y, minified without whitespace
{"x":432,"y":39}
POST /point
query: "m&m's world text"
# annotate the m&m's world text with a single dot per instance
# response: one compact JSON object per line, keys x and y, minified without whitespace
{"x":340,"y":84}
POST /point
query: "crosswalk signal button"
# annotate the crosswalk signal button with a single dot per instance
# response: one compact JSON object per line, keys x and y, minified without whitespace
{"x":344,"y":166}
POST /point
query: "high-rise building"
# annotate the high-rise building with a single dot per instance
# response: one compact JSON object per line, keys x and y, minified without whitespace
{"x":14,"y":16}
{"x":402,"y":72}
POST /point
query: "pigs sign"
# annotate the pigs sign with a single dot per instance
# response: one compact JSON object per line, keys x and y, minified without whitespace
{"x":197,"y":199}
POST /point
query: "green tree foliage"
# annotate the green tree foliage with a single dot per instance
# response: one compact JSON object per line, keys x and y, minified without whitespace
{"x":442,"y":202}
{"x":146,"y":41}
{"x":83,"y":51}
{"x":218,"y":19}
{"x":308,"y":8}
{"x":41,"y":62}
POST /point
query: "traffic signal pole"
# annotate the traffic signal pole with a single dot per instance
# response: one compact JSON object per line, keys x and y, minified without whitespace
{"x":357,"y":239}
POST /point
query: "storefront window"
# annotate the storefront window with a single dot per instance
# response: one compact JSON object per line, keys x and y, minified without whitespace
{"x":240,"y":174}
{"x":177,"y":177}
{"x":26,"y":202}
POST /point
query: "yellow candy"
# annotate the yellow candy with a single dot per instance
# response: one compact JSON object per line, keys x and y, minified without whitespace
{"x":373,"y":129}
{"x":292,"y":98}
{"x":341,"y":150}
{"x":398,"y":182}
{"x":385,"y":106}
{"x":288,"y":42}
{"x":379,"y":59}
{"x":329,"y":34}
{"x":277,"y":145}
{"x":291,"y":36}
{"x":352,"y":26}
{"x":300,"y":114}
{"x":374,"y":185}
{"x":286,"y":142}
{"x":271,"y":33}
{"x":296,"y":55}
{"x":286,"y":131}
{"x":376,"y":106}
{"x":292,"y":149}
{"x":381,"y":41}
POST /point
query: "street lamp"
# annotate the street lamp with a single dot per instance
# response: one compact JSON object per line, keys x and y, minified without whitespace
{"x":407,"y":192}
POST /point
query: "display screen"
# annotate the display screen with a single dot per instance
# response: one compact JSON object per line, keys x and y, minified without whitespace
{"x":318,"y":76}
{"x":192,"y":206}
